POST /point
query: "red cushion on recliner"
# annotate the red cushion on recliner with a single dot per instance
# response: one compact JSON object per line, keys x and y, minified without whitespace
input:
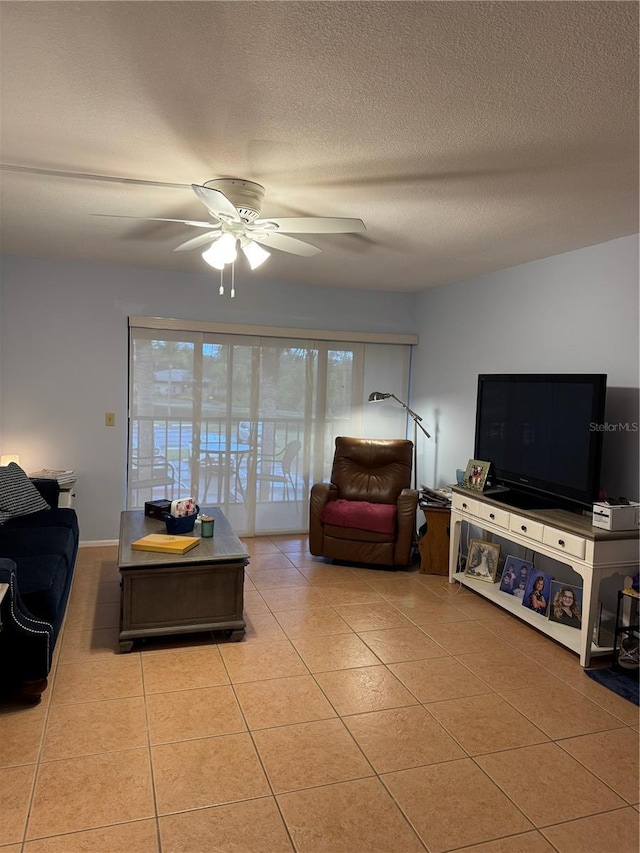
{"x":362,"y":515}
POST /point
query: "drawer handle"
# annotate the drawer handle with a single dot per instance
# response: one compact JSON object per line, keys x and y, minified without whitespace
{"x":523,"y":527}
{"x":561,"y":543}
{"x":491,"y":516}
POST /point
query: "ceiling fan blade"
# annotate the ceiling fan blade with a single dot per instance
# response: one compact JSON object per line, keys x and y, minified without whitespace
{"x":285,"y":244}
{"x":309,"y":225}
{"x":217,"y":204}
{"x":196,"y":242}
{"x":195,"y":222}
{"x":54,"y":173}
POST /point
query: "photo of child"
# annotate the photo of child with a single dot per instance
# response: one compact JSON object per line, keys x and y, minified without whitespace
{"x":515,"y":570}
{"x":536,"y":596}
{"x":520,"y":590}
{"x":566,"y":605}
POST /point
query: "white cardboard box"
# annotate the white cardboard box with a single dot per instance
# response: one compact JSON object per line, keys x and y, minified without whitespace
{"x":614,"y":517}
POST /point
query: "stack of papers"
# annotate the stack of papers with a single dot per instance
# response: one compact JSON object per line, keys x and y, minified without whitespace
{"x":431,"y":498}
{"x":63,"y":477}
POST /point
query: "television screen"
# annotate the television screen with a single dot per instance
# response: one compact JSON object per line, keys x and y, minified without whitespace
{"x":540,"y":433}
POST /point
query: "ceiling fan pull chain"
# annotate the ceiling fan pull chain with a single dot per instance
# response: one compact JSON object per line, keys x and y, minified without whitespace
{"x":221,"y":288}
{"x":233,"y":280}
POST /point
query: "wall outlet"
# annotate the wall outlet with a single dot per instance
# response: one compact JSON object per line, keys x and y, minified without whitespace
{"x":109,"y":418}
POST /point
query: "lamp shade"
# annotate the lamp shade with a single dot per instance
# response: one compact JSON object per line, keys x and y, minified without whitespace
{"x":9,"y":457}
{"x":255,"y":254}
{"x":222,"y":251}
{"x":376,"y":396}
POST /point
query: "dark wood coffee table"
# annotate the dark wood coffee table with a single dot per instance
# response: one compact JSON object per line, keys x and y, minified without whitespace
{"x":162,"y":594}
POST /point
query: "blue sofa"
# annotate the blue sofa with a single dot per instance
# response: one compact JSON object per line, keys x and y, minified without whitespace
{"x":37,"y":560}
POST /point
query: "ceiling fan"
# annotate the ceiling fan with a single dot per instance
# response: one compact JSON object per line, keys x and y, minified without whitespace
{"x":234,"y":205}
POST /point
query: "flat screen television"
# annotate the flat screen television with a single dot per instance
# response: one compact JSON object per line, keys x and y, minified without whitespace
{"x":540,"y":432}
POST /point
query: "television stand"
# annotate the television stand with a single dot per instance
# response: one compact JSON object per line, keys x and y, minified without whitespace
{"x":592,"y":553}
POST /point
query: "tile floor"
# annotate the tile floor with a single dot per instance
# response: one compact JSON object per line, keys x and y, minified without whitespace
{"x":364,"y":711}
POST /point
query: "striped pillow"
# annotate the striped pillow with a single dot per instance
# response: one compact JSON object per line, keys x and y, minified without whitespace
{"x":18,"y":495}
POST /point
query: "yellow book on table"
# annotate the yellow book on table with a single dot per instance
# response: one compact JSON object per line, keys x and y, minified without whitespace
{"x":165,"y":543}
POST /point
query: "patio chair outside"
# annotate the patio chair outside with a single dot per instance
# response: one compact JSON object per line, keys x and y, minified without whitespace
{"x":154,"y":473}
{"x":278,"y":468}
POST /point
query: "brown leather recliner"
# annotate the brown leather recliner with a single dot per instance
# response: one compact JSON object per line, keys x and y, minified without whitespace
{"x":367,"y":513}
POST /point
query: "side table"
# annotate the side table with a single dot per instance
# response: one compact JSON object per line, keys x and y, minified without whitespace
{"x":67,"y":494}
{"x":434,"y":545}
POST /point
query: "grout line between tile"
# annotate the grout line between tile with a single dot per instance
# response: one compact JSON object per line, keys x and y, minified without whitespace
{"x":445,"y":597}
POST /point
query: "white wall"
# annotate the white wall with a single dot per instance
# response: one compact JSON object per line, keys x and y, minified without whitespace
{"x":63,"y":350}
{"x":572,"y":313}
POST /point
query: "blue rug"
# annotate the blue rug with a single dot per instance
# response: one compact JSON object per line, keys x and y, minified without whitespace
{"x":624,"y":685}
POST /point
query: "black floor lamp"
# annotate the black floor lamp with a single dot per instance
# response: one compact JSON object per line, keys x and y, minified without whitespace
{"x":376,"y":397}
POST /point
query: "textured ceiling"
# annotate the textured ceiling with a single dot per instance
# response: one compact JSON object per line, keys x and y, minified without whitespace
{"x":469,"y":137}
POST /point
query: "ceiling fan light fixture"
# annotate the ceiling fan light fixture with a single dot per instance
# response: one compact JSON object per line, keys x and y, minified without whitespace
{"x":255,"y":254}
{"x":222,"y":251}
{"x":213,"y":258}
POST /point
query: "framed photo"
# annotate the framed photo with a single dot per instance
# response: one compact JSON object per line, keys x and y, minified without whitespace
{"x":538,"y":592}
{"x":514,"y":576}
{"x":475,"y":477}
{"x":566,"y":604}
{"x":482,"y":560}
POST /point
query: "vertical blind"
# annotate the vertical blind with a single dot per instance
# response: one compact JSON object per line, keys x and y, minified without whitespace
{"x":245,"y":422}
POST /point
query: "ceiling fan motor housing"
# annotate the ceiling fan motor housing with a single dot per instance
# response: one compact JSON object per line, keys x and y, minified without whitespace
{"x":245,"y":196}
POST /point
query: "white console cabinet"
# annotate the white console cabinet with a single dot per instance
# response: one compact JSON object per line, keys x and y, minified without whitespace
{"x":593,"y":553}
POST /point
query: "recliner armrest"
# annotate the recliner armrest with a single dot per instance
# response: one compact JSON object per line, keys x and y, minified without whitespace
{"x":321,"y":494}
{"x":406,"y":515}
{"x":407,"y":502}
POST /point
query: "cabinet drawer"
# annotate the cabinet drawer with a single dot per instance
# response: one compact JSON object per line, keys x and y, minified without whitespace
{"x":495,"y":515}
{"x":573,"y":545}
{"x":465,"y":504}
{"x":526,"y":527}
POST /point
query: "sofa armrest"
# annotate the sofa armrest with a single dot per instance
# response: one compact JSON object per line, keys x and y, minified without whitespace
{"x":49,"y":489}
{"x":26,"y":643}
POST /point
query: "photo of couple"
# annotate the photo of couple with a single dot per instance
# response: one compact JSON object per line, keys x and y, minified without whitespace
{"x":482,"y":560}
{"x":475,"y":476}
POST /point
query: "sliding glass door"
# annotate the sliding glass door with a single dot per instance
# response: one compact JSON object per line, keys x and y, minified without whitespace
{"x":243,"y":422}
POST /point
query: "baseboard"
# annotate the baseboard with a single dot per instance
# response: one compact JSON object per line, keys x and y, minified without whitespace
{"x":98,"y":543}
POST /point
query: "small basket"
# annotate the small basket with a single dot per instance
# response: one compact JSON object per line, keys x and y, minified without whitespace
{"x":184,"y":524}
